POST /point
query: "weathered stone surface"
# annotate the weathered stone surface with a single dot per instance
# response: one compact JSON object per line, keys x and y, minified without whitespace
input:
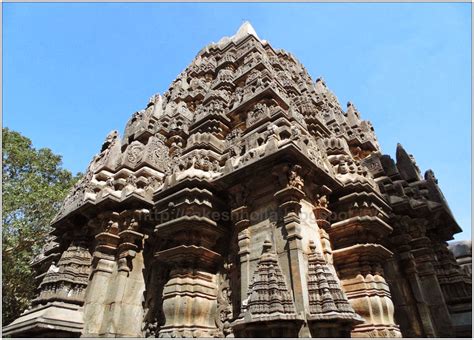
{"x":462,"y":251}
{"x":245,"y":201}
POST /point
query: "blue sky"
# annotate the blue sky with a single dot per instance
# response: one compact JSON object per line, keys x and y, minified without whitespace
{"x":73,"y":72}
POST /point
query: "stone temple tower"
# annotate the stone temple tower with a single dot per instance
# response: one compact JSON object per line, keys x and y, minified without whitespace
{"x":246,"y":202}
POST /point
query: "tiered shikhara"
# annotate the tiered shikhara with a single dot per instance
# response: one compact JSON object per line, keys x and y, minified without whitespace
{"x":246,"y":202}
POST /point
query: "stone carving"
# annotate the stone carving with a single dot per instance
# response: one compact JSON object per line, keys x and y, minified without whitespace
{"x":82,"y":192}
{"x":157,"y":152}
{"x":294,"y":177}
{"x":326,"y":298}
{"x":134,"y":153}
{"x":66,"y":281}
{"x":268,"y":293}
{"x":224,"y":306}
{"x":150,"y":329}
{"x":109,"y":153}
{"x":322,"y":201}
{"x":259,"y":111}
{"x":243,"y":152}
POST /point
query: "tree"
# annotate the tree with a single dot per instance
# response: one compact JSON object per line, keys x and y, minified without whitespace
{"x":34,"y":184}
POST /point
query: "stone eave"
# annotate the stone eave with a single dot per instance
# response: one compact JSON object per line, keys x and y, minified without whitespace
{"x":183,"y":188}
{"x":277,"y":117}
{"x":359,"y":251}
{"x":188,"y":223}
{"x":356,"y":186}
{"x":348,"y":228}
{"x":453,"y":226}
{"x":205,"y":140}
{"x":182,"y":254}
{"x":90,"y":210}
{"x":207,"y":119}
{"x":372,"y":196}
{"x":289,"y":153}
{"x":427,"y":211}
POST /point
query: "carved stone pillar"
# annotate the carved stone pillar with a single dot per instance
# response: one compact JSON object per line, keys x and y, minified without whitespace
{"x":192,"y":239}
{"x":244,"y":255}
{"x":103,"y":266}
{"x":454,"y":282}
{"x":424,"y":257}
{"x":289,"y":198}
{"x":116,"y":285}
{"x":189,"y":300}
{"x":128,"y":286}
{"x":411,"y":310}
{"x":361,"y":273}
{"x":240,"y":218}
{"x":417,"y":258}
{"x":410,"y":271}
{"x":323,"y":216}
{"x":359,"y":258}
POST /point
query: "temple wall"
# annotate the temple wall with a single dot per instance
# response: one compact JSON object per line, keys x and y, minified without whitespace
{"x":246,"y":201}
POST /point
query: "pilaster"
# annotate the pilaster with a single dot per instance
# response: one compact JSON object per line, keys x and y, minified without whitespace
{"x":240,"y":215}
{"x":116,"y":282}
{"x":189,"y":247}
{"x":359,"y":258}
{"x":289,"y":198}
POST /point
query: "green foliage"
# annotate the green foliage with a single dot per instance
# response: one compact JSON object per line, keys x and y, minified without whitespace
{"x":34,"y":184}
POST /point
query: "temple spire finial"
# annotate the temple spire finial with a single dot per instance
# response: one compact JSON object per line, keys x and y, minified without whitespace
{"x":244,"y":30}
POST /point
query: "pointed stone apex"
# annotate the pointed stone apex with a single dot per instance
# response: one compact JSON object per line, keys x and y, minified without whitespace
{"x":352,"y":113}
{"x":244,"y":30}
{"x":406,"y":165}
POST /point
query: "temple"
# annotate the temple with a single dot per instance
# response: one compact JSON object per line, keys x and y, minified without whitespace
{"x":247,"y":202}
